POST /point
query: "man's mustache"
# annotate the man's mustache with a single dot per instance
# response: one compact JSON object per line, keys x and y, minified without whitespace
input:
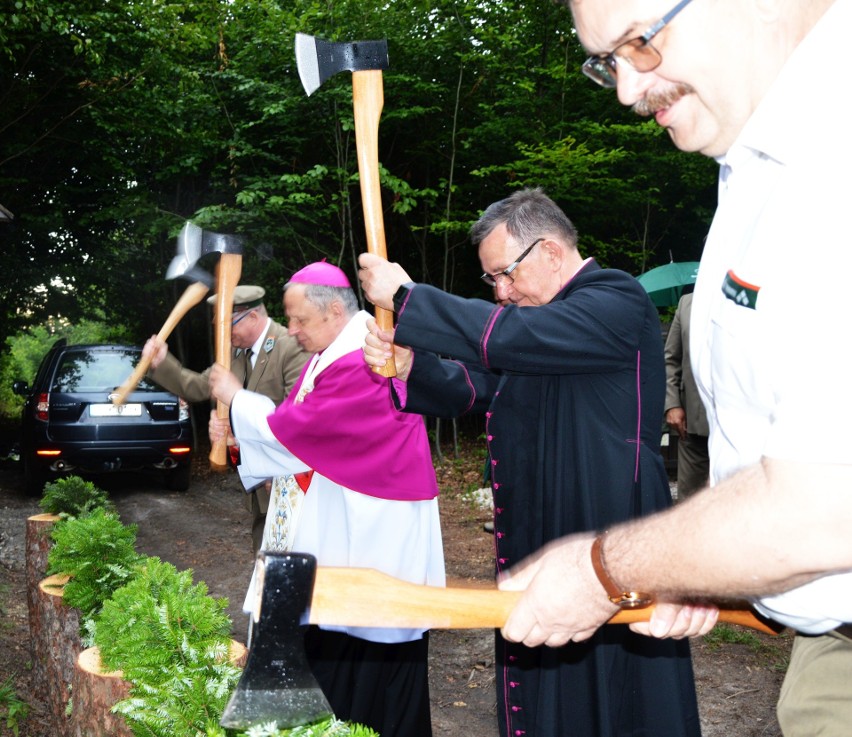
{"x":654,"y":101}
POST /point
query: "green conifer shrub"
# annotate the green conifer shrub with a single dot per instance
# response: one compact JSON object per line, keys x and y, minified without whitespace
{"x":171,"y":641}
{"x":326,"y":728}
{"x":71,"y":496}
{"x":97,"y":552}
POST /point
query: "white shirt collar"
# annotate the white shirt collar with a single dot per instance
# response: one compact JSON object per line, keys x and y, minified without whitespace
{"x":255,"y":349}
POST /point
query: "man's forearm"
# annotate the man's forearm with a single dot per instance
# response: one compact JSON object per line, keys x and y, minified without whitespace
{"x":171,"y":375}
{"x":735,"y":539}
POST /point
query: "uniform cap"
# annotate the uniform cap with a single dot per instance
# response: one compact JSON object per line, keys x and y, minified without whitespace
{"x":246,"y":297}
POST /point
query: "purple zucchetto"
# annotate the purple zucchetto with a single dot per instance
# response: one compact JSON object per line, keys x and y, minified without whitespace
{"x":321,"y":273}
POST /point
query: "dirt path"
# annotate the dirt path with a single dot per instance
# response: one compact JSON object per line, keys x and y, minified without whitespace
{"x":206,"y":529}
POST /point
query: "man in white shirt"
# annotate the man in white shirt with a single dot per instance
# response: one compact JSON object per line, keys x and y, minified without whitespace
{"x":750,"y":83}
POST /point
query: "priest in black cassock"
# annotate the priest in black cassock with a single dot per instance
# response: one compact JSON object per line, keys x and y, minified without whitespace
{"x":568,"y":369}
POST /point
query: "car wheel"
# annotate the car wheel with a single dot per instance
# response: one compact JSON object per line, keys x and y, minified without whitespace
{"x":178,"y":478}
{"x":34,"y":477}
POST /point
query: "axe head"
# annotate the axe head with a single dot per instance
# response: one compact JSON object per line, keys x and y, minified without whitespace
{"x":277,"y":684}
{"x":192,"y":244}
{"x":317,"y":60}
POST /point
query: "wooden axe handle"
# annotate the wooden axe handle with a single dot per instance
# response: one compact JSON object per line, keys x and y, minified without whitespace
{"x":192,"y":295}
{"x":227,"y":278}
{"x":362,"y":597}
{"x":368,"y":99}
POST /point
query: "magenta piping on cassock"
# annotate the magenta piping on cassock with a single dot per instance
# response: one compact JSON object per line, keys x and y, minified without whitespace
{"x":483,"y":346}
{"x":638,"y":414}
{"x":469,"y":383}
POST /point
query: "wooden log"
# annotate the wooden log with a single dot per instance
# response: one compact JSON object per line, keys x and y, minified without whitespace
{"x":56,"y":644}
{"x":238,"y":654}
{"x":96,"y":691}
{"x":37,"y":546}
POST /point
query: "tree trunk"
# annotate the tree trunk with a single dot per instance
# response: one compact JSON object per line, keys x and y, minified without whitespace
{"x":96,"y":692}
{"x":37,"y":546}
{"x":238,"y":654}
{"x":56,"y":644}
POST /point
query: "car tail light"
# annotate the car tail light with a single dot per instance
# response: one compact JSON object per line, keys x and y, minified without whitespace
{"x":42,"y":407}
{"x":183,"y":410}
{"x":49,"y":453}
{"x":180,"y":449}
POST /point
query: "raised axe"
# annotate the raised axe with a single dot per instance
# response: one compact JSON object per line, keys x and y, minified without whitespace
{"x":228,"y":273}
{"x":185,"y":267}
{"x":317,"y":60}
{"x":277,"y":684}
{"x":193,"y":244}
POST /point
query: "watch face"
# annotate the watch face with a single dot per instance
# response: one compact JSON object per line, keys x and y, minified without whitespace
{"x":633,"y":600}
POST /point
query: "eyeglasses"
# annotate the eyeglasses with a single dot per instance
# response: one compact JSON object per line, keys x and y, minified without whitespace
{"x":491,"y":279}
{"x":239,"y":317}
{"x":637,"y":52}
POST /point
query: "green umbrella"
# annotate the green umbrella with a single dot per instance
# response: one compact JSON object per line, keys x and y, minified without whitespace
{"x":665,"y":283}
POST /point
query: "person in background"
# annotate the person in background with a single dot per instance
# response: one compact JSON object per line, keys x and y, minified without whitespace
{"x":265,"y":359}
{"x":367,"y":497}
{"x":750,"y":84}
{"x":568,"y":369}
{"x":685,"y":411}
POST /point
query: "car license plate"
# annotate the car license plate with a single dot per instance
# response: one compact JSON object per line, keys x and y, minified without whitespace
{"x":115,"y":410}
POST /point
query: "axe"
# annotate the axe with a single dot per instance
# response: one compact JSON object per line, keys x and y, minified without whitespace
{"x":192,"y":245}
{"x":277,"y":684}
{"x":201,"y":282}
{"x":317,"y":60}
{"x":227,"y":277}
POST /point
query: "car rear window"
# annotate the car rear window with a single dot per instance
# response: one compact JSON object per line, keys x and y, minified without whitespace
{"x":97,"y":371}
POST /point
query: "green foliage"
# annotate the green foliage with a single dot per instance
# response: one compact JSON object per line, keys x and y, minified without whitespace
{"x":26,"y":349}
{"x":326,"y":728}
{"x":97,"y":551}
{"x":71,"y":496}
{"x":137,"y":116}
{"x":171,"y":641}
{"x":12,"y":709}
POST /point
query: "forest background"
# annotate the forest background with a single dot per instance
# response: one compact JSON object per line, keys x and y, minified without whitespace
{"x":121,"y":119}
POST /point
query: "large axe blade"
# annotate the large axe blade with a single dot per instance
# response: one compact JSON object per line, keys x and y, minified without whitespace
{"x":184,"y":265}
{"x":360,"y":597}
{"x":277,"y":684}
{"x":317,"y":60}
{"x":194,"y":243}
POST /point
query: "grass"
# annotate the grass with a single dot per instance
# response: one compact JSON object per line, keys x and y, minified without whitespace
{"x":764,"y":647}
{"x":12,"y":709}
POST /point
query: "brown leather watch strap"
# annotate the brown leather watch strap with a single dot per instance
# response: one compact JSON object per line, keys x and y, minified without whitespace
{"x":617,"y":595}
{"x":611,"y":588}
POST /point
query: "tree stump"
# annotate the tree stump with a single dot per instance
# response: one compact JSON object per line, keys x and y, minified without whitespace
{"x":238,"y":654}
{"x":95,"y":692}
{"x":37,"y":546}
{"x":56,"y":644}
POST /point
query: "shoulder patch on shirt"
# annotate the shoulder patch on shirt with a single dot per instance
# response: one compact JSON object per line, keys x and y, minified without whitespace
{"x":269,"y":344}
{"x":739,"y":291}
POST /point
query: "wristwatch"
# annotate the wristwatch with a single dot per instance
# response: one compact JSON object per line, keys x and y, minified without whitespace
{"x":619,"y":597}
{"x":401,"y":294}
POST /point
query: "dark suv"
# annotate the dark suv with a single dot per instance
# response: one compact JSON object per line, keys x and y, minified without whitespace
{"x":70,"y":425}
